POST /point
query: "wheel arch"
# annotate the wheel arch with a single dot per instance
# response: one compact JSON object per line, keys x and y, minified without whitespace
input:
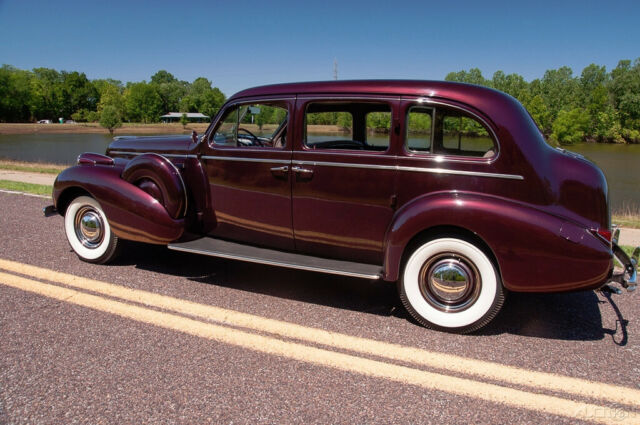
{"x":439,"y":231}
{"x":68,"y":195}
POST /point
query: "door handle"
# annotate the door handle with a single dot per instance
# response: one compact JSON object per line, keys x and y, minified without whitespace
{"x":280,"y":171}
{"x":302,"y":173}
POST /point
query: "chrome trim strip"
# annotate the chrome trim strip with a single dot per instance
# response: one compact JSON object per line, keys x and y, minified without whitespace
{"x":274,"y":263}
{"x":344,"y":165}
{"x":241,"y":159}
{"x":168,"y":155}
{"x":411,"y":169}
{"x":461,"y":173}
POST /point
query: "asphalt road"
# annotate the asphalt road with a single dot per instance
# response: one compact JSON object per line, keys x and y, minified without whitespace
{"x":167,"y":337}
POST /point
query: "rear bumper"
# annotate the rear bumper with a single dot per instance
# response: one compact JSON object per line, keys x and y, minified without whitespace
{"x":627,"y":277}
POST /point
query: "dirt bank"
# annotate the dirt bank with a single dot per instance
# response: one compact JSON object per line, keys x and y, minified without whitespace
{"x":90,"y":128}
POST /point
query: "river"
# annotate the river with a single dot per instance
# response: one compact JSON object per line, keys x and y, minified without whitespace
{"x":620,"y":163}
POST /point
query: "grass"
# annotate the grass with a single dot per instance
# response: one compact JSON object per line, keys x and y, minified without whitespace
{"x":37,"y":189}
{"x":627,"y":216}
{"x":32,"y":167}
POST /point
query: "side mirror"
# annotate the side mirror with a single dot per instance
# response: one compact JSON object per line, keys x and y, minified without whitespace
{"x":194,"y":137}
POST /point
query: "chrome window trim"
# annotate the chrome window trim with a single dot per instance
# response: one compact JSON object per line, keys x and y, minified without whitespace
{"x":373,"y":99}
{"x":233,"y":103}
{"x":426,"y":101}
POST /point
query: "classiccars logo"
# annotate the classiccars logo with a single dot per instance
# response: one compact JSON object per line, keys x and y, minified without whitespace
{"x":614,"y":414}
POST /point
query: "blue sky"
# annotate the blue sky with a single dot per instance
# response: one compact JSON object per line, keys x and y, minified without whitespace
{"x":238,"y":44}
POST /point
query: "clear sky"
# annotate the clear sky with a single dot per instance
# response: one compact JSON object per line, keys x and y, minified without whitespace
{"x":243,"y":43}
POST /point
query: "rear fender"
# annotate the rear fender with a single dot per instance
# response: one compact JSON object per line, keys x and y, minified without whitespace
{"x":534,"y":251}
{"x":132,"y":213}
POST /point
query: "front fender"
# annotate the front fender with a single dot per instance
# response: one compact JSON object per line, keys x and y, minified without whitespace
{"x":132,"y":213}
{"x":535,"y":251}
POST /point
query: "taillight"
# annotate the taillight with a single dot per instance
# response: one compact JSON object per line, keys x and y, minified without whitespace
{"x":604,"y":234}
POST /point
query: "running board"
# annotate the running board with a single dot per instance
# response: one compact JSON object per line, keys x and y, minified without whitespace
{"x":235,"y":251}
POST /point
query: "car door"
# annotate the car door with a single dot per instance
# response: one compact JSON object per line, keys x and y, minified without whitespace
{"x":343,"y":172}
{"x":247,"y":161}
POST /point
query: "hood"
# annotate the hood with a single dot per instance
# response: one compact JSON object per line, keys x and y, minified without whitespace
{"x":174,"y":144}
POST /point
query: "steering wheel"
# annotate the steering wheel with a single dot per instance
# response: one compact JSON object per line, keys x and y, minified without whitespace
{"x":256,"y":140}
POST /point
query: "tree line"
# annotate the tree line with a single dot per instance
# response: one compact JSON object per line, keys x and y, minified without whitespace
{"x":43,"y":93}
{"x":596,"y":106}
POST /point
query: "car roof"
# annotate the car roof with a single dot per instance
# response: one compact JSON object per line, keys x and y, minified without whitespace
{"x":463,"y":92}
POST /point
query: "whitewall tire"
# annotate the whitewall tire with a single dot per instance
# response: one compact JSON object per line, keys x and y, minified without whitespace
{"x":88,"y":231}
{"x":452,"y":285}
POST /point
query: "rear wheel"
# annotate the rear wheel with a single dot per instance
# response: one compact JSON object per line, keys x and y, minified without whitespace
{"x":88,"y":231}
{"x":450,"y":284}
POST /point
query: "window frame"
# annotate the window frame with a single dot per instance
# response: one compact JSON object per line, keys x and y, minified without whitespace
{"x":440,"y":157}
{"x":288,"y":105}
{"x":406,"y":126}
{"x":306,"y":101}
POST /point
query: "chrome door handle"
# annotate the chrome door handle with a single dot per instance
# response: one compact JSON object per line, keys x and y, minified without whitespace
{"x":303,"y":172}
{"x":280,"y":171}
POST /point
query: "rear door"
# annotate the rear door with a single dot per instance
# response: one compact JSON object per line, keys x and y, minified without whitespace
{"x":343,"y":171}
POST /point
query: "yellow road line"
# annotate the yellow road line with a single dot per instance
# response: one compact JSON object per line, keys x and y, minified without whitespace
{"x":448,"y":362}
{"x":318,"y":356}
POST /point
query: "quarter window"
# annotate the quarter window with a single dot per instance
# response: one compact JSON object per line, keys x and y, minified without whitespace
{"x":253,"y":125}
{"x":446,"y":131}
{"x":348,"y":125}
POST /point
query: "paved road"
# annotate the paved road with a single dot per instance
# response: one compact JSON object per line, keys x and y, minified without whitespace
{"x":27,"y":177}
{"x":166,"y":337}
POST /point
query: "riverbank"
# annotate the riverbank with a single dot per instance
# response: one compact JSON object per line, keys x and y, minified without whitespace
{"x":95,"y":128}
{"x":130,"y":128}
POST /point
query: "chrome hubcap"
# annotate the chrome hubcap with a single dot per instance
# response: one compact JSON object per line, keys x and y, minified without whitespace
{"x":450,"y":282}
{"x":89,"y":227}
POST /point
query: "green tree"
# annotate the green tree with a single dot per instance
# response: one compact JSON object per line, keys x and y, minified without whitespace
{"x":110,"y":119}
{"x":625,"y":88}
{"x":184,"y":120}
{"x":570,"y":126}
{"x":111,"y":95}
{"x":142,"y":103}
{"x":170,"y":89}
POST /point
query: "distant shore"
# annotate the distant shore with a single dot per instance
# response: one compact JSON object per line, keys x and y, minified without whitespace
{"x":95,"y":128}
{"x":127,"y":128}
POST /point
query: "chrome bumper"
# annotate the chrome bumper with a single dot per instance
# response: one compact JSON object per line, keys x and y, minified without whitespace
{"x":627,"y":277}
{"x":49,"y":211}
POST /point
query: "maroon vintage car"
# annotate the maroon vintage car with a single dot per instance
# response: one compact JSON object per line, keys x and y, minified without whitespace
{"x":448,"y":189}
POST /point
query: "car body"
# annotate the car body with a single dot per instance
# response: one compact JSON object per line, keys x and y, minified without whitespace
{"x":449,"y":189}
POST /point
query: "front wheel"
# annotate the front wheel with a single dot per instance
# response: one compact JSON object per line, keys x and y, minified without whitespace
{"x":88,"y":231}
{"x":450,"y":284}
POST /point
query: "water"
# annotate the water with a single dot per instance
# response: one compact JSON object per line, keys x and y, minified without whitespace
{"x":620,"y":163}
{"x":54,"y":148}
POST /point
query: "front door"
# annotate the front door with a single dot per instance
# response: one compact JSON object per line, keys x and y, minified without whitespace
{"x":247,"y":161}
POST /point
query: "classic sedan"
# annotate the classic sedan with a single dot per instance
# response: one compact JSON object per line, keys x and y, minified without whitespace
{"x":448,"y":189}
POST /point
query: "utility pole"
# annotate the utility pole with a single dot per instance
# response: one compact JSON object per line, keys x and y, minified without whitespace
{"x":335,"y":68}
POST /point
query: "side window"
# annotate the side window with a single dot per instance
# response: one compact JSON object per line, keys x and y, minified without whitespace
{"x":253,"y":125}
{"x":462,"y":135}
{"x":347,"y":125}
{"x":419,"y":129}
{"x":446,"y":131}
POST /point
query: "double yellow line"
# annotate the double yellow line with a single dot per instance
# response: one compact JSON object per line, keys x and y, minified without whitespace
{"x":518,"y":387}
